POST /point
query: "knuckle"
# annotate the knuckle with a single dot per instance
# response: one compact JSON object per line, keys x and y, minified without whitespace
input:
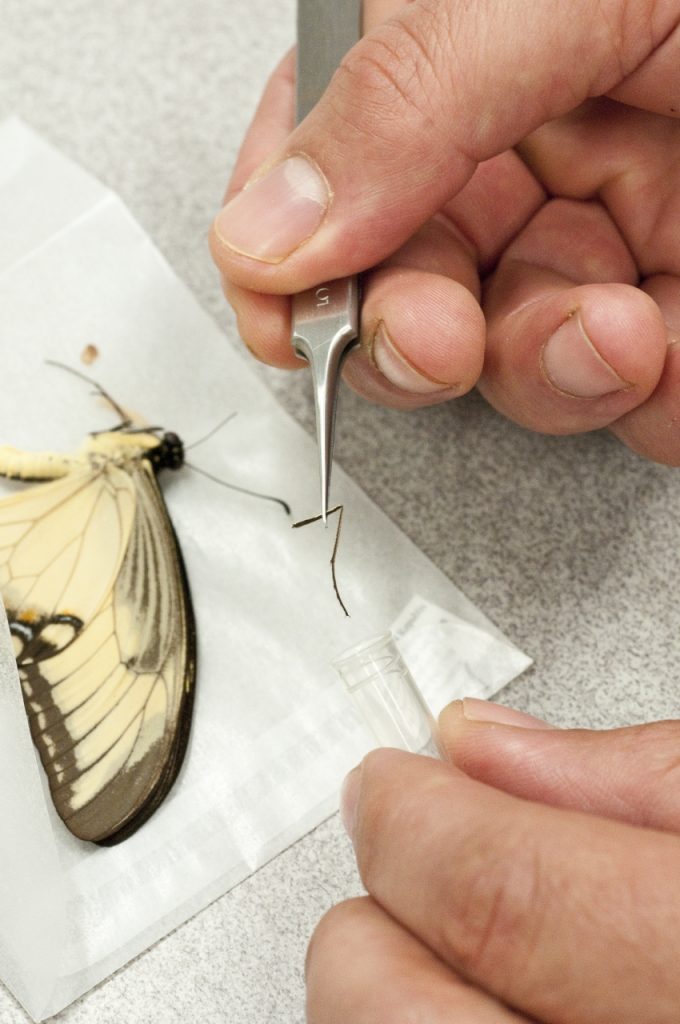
{"x":629,"y":33}
{"x":497,"y":915}
{"x":389,"y":76}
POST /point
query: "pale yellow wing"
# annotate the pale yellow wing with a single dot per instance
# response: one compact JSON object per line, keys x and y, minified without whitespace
{"x":98,"y":604}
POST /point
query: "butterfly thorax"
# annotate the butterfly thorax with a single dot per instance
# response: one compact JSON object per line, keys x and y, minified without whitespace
{"x":126,"y":448}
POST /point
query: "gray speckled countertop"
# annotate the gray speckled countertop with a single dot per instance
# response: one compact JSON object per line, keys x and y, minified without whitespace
{"x":572,"y":545}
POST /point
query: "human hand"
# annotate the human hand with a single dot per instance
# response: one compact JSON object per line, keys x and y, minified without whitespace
{"x":533,"y":879}
{"x":569,"y":240}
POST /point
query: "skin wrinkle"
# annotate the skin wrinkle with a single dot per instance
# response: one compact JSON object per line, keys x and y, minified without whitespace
{"x":540,"y":107}
{"x":484,"y":908}
{"x":380,"y":110}
{"x":541,"y":882}
{"x":607,"y":263}
{"x":586,"y":795}
{"x":618,"y":191}
{"x":672,"y":173}
{"x":414,"y":985}
{"x":617,"y":34}
{"x":655,"y":16}
{"x":647,"y":22}
{"x":618,"y":181}
{"x":432,"y":116}
{"x":590,"y":904}
{"x":600,"y":194}
{"x":449,"y":219}
{"x":366,"y":72}
{"x":231,"y":294}
{"x":428,"y":58}
{"x":663,"y":781}
{"x":458,"y":234}
{"x":512,"y":897}
{"x":486,"y":262}
{"x":427,"y":251}
{"x":392,"y":75}
{"x":541,"y":297}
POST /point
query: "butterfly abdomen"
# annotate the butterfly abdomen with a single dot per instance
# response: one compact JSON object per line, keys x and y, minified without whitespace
{"x":33,"y":466}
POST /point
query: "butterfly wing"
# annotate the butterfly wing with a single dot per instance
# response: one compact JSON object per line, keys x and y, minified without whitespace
{"x":99,"y":606}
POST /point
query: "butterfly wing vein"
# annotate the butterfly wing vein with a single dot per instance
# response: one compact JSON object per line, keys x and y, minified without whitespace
{"x":99,"y":608}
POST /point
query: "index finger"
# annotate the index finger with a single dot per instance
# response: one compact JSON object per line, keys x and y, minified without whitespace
{"x":565,"y":916}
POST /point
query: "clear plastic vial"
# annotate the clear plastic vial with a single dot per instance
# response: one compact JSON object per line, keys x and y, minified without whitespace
{"x":386,"y":696}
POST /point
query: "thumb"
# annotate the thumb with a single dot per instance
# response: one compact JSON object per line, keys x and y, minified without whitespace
{"x":415,"y":105}
{"x":630,"y":774}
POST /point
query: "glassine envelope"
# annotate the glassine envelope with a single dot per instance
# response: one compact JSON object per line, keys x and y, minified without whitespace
{"x":273,"y":731}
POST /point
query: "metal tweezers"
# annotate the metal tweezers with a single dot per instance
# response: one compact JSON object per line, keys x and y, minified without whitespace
{"x":326,"y":318}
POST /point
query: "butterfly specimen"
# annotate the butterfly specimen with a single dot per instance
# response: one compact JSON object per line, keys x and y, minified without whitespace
{"x":99,"y":609}
{"x":100,"y":613}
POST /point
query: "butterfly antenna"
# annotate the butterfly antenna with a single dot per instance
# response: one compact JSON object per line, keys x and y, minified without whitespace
{"x":211,"y":432}
{"x":125,"y":419}
{"x":242,"y":490}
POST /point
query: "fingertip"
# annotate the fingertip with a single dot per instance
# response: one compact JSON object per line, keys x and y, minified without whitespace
{"x":459,"y":713}
{"x":469,"y":731}
{"x":628,"y":339}
{"x":423,"y":336}
{"x":653,"y":428}
{"x":574,"y":358}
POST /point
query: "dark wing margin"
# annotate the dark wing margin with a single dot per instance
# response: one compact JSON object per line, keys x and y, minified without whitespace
{"x":174,"y":610}
{"x":153,"y":581}
{"x":110,"y":702}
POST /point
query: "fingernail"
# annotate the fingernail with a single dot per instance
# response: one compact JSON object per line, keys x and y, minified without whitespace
{"x":486,"y":711}
{"x":276,"y":213}
{"x":349,"y":796}
{"x":397,"y":369}
{"x":573,"y":365}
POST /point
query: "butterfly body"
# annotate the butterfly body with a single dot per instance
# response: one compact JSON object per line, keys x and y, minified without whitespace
{"x":100,"y":613}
